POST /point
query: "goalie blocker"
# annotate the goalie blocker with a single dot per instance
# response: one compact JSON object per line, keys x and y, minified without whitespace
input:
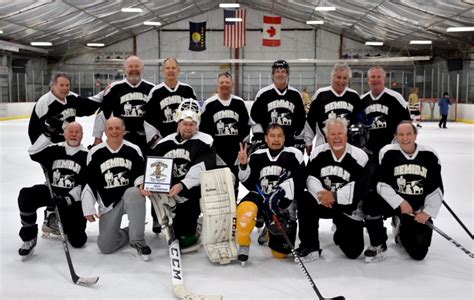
{"x":219,"y":215}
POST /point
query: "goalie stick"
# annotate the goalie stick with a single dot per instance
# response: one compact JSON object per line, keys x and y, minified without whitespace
{"x":165,"y":218}
{"x":84,"y":281}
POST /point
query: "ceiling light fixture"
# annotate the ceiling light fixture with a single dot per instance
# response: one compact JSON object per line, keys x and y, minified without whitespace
{"x":325,"y":8}
{"x":459,"y":29}
{"x":233,"y":19}
{"x":1,"y":31}
{"x":41,"y":44}
{"x":229,"y":5}
{"x":152,"y":23}
{"x":132,"y":10}
{"x":420,"y":42}
{"x":95,"y":44}
{"x":374,"y":43}
{"x":314,"y":22}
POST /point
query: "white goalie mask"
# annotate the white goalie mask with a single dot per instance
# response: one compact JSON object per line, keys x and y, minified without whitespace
{"x":189,"y":109}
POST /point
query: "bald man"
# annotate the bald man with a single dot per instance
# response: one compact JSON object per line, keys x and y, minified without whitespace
{"x":125,"y":99}
{"x":66,"y":165}
{"x":114,"y":181}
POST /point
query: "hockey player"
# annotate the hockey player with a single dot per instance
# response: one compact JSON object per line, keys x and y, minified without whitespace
{"x":337,"y":182}
{"x":331,"y":102}
{"x":382,"y":110}
{"x":260,"y":174}
{"x":278,"y":103}
{"x":163,"y":101}
{"x":125,"y":99}
{"x":160,"y":109}
{"x":66,"y":166}
{"x":226,"y":119}
{"x":115,"y":181}
{"x":409,"y":183}
{"x":414,"y":106}
{"x":192,"y":152}
{"x":53,"y":111}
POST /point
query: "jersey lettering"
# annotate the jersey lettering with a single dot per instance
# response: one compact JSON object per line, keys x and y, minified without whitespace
{"x":410,"y":169}
{"x":335,"y":171}
{"x":132,"y":96}
{"x":281,"y":104}
{"x":115,"y":162}
{"x":67,"y":164}
{"x":338,"y":105}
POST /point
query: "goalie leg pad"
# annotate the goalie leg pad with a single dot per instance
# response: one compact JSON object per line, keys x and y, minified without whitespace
{"x":246,"y":214}
{"x":219,"y":215}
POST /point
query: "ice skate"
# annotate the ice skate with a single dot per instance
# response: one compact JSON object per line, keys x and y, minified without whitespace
{"x":374,"y":254}
{"x":396,"y":229}
{"x":27,"y":249}
{"x":50,"y":226}
{"x":308,"y":254}
{"x":143,"y":251}
{"x":243,"y":254}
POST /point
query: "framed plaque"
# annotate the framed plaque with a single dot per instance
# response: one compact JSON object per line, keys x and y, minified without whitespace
{"x":158,"y":173}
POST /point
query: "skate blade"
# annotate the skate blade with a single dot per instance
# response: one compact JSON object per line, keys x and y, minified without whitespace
{"x":28,"y":256}
{"x":51,"y":236}
{"x":308,"y":258}
{"x":377,"y":258}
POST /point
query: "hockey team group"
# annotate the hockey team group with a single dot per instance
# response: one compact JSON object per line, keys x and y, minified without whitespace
{"x":364,"y":164}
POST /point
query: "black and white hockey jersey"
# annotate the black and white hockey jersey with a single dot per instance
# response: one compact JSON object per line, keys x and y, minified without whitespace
{"x":160,"y":108}
{"x":382,"y":114}
{"x":66,"y":165}
{"x":228,"y":122}
{"x":347,"y":176}
{"x":415,"y":178}
{"x":327,"y":104}
{"x":125,"y":101}
{"x":285,"y":108}
{"x":49,"y":106}
{"x":109,"y":174}
{"x":265,"y":167}
{"x":190,"y":158}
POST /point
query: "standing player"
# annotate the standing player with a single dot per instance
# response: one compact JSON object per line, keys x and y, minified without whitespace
{"x":66,"y":166}
{"x":226,"y":119}
{"x":414,"y":107}
{"x":409,"y":183}
{"x":115,"y":181}
{"x":192,"y":153}
{"x":337,"y":181}
{"x":125,"y":99}
{"x":51,"y":114}
{"x":160,"y":109}
{"x":163,"y":101}
{"x":331,"y":102}
{"x":280,"y":104}
{"x":264,"y":173}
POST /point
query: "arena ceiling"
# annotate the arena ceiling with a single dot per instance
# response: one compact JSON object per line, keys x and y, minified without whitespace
{"x":70,"y":24}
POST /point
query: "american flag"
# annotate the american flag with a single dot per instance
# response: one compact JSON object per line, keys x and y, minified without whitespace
{"x":234,"y":32}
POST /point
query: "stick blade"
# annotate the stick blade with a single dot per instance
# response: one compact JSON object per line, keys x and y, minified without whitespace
{"x":336,"y":298}
{"x":86,"y":281}
{"x":182,"y":293}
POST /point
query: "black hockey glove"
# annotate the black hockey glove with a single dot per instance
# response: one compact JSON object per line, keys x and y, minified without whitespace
{"x":63,"y":201}
{"x":258,"y":142}
{"x":54,"y":125}
{"x":277,"y":203}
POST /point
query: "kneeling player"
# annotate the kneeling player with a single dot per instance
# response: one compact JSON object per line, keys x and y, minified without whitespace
{"x":337,"y":181}
{"x":66,"y":165}
{"x":271,"y":192}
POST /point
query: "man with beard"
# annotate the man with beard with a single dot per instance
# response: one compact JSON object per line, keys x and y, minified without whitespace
{"x":125,"y":99}
{"x":65,"y":164}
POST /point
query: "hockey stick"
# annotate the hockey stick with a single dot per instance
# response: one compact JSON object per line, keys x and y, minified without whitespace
{"x":457,"y":219}
{"x":300,"y":263}
{"x":165,"y":218}
{"x":297,"y":257}
{"x":84,"y":281}
{"x":430,"y":225}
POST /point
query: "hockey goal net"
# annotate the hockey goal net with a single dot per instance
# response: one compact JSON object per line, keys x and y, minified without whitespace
{"x":429,"y":109}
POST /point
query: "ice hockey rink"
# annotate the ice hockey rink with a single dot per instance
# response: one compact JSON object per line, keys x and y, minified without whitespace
{"x":446,"y":272}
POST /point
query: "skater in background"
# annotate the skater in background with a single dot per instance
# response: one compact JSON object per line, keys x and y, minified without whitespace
{"x":444,"y":104}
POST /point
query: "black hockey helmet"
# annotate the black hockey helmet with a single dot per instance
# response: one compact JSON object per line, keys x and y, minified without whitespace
{"x":281,"y":64}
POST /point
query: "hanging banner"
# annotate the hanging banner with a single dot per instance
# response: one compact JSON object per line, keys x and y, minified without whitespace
{"x":271,"y":31}
{"x":197,"y":36}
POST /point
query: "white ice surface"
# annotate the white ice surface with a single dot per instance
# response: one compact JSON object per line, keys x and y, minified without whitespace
{"x":446,"y":272}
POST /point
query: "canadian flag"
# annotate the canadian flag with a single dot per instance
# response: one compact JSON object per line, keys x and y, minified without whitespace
{"x":271,"y":31}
